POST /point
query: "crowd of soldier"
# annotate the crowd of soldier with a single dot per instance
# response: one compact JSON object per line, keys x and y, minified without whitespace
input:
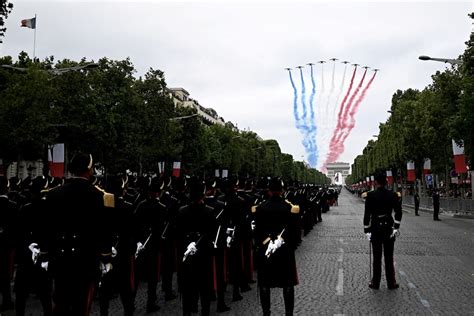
{"x":73,"y":239}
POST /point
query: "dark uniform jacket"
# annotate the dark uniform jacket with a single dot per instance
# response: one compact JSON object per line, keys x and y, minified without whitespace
{"x":271,"y":217}
{"x":79,"y":236}
{"x":379,"y":206}
{"x":8,"y":222}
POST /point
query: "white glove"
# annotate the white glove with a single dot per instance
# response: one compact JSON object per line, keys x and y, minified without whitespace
{"x":229,"y":241}
{"x":114,"y":252}
{"x":45,"y":265}
{"x":35,"y":251}
{"x":191,"y":250}
{"x":395,"y":233}
{"x":369,"y":236}
{"x":105,"y":268}
{"x":278,"y":243}
{"x":252,"y":224}
{"x":270,"y":248}
{"x":229,"y":231}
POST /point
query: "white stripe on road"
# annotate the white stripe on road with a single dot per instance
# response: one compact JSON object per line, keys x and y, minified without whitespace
{"x":424,"y":302}
{"x":340,"y":283}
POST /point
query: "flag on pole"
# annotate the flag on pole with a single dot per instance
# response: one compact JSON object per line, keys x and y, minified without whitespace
{"x":56,"y":160}
{"x":389,"y":177}
{"x":459,"y":158}
{"x":29,"y":23}
{"x":411,"y":176}
{"x":427,"y":166}
{"x":176,"y":168}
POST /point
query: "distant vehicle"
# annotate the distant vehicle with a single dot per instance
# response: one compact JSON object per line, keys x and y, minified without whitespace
{"x":366,"y":67}
{"x":321,"y":61}
{"x":57,"y":71}
{"x":376,"y":69}
{"x":355,"y":65}
{"x":310,"y":64}
{"x":289,"y":69}
{"x":345,"y":62}
{"x":333,"y":59}
{"x":299,"y":67}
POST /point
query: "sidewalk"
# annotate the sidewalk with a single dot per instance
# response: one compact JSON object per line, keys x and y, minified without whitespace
{"x":468,"y":215}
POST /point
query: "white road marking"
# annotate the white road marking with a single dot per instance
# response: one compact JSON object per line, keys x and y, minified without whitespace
{"x":340,"y":283}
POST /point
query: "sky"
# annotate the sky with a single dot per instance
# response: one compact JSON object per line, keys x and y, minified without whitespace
{"x":231,"y":56}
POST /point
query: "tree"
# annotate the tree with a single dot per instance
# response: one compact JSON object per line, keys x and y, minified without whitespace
{"x":5,"y":8}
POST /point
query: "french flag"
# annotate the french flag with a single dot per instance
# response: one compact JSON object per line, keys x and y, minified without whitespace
{"x":411,"y":176}
{"x":459,"y":158}
{"x":427,"y":166}
{"x":29,"y":23}
{"x":389,"y":177}
{"x":176,"y":168}
{"x":56,"y":160}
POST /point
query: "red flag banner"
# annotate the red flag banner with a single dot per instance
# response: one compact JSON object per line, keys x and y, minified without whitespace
{"x":459,"y":158}
{"x":411,"y":176}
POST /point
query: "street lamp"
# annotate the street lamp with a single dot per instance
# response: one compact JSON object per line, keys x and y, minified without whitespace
{"x":444,"y":60}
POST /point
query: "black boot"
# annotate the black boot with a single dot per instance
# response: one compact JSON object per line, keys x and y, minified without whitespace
{"x":289,"y":298}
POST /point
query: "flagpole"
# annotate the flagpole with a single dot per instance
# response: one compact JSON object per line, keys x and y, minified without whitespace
{"x":34,"y":42}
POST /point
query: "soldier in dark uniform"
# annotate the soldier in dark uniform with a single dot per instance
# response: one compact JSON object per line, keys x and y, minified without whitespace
{"x":79,"y":240}
{"x":8,"y":222}
{"x":235,"y":208}
{"x":416,"y":197}
{"x":221,"y":215}
{"x":435,"y":197}
{"x":195,"y":229}
{"x":150,"y":219}
{"x":32,"y":250}
{"x":276,"y":239}
{"x":122,"y":276}
{"x":378,"y":221}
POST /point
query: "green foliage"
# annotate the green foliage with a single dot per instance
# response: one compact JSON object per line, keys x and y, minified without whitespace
{"x":423,"y":123}
{"x":5,"y":8}
{"x":124,"y":122}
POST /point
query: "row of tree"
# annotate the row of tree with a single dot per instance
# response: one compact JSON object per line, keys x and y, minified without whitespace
{"x":423,"y":123}
{"x":125,"y":122}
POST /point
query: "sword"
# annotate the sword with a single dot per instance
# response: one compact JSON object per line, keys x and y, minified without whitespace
{"x":143,"y":246}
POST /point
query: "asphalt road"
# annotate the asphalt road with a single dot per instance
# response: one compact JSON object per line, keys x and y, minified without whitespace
{"x":434,"y":262}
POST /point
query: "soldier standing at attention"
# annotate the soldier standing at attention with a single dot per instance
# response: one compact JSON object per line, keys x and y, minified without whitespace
{"x":79,"y":240}
{"x":195,"y":229}
{"x":276,"y":239}
{"x":381,"y":229}
{"x":435,"y":197}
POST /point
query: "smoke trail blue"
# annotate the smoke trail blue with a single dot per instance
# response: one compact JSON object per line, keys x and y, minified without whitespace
{"x":313,"y":150}
{"x":303,"y":97}
{"x":295,"y":100}
{"x":311,"y":98}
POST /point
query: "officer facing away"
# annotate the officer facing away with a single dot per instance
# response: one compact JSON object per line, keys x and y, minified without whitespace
{"x":381,"y":229}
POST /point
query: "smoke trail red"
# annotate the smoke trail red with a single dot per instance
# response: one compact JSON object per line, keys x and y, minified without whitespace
{"x":345,"y":121}
{"x":340,"y":118}
{"x":355,"y":108}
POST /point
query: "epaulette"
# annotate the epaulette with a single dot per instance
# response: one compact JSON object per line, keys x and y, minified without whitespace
{"x":399,"y":194}
{"x":109,"y":198}
{"x":254,"y":208}
{"x":363,"y":195}
{"x":295,"y":209}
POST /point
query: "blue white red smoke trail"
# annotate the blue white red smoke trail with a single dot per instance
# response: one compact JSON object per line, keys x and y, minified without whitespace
{"x":313,"y":93}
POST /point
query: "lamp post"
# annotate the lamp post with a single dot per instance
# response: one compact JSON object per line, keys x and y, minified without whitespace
{"x":443,"y":60}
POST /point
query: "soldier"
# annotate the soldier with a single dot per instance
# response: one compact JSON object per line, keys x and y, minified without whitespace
{"x":123,"y":253}
{"x":79,"y":241}
{"x":8,"y":222}
{"x":381,"y":229}
{"x":195,"y":229}
{"x":237,"y":218}
{"x":32,"y":250}
{"x":417,"y":203}
{"x":221,"y":215}
{"x":435,"y":197}
{"x":150,"y":219}
{"x":276,"y":239}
